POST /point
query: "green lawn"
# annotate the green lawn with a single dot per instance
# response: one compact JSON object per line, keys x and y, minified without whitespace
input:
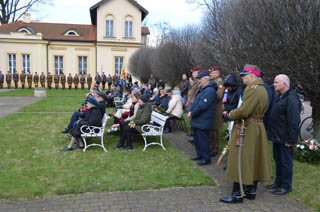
{"x":32,"y":166}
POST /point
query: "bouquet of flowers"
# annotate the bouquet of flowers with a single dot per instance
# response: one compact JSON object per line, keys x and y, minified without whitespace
{"x":224,"y":152}
{"x":308,"y":151}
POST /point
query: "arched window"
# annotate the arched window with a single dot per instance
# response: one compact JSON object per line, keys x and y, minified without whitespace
{"x":25,"y":30}
{"x":71,"y":32}
{"x":128,"y":27}
{"x":109,"y":26}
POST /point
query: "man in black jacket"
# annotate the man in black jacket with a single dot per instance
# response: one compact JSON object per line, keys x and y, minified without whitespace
{"x":285,"y":119}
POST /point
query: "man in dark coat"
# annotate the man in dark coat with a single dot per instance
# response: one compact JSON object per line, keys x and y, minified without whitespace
{"x":201,"y":114}
{"x":97,"y":79}
{"x":42,"y":80}
{"x":1,"y":79}
{"x":63,"y":81}
{"x":76,"y":81}
{"x":15,"y":79}
{"x":36,"y":79}
{"x":89,"y":81}
{"x":29,"y":80}
{"x":49,"y":80}
{"x":82,"y":81}
{"x":56,"y":79}
{"x":283,"y":132}
{"x":70,"y":80}
{"x":103,"y":80}
{"x":22,"y":79}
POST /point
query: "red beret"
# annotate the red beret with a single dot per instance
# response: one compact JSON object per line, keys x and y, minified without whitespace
{"x":215,"y":68}
{"x":195,"y":69}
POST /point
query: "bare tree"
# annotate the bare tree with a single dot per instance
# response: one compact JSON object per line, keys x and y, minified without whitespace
{"x":13,"y":10}
{"x":279,"y":36}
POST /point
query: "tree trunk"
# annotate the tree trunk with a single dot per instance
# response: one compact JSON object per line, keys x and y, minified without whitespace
{"x":316,"y":122}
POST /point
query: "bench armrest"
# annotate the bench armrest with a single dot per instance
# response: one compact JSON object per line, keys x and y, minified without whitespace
{"x":151,"y":129}
{"x":90,"y":129}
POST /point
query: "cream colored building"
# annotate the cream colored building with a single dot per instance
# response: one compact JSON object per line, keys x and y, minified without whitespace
{"x":104,"y":46}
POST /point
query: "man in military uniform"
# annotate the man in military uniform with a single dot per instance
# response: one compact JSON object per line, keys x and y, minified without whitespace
{"x":15,"y":79}
{"x":218,"y":122}
{"x":255,"y":163}
{"x":82,"y":81}
{"x":89,"y":81}
{"x":76,"y":81}
{"x":42,"y":80}
{"x":36,"y":79}
{"x":97,"y":79}
{"x":8,"y":80}
{"x":63,"y":81}
{"x":49,"y":80}
{"x":22,"y":79}
{"x":1,"y":79}
{"x":194,"y":87}
{"x":69,"y":80}
{"x":56,"y":79}
{"x":103,"y":80}
{"x":29,"y":80}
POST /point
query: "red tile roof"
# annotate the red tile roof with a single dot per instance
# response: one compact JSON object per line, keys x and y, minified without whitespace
{"x":145,"y":31}
{"x":54,"y":31}
{"x":57,"y":31}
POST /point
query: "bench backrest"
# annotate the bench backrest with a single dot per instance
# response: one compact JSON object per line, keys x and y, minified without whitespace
{"x":104,"y":122}
{"x":158,"y":118}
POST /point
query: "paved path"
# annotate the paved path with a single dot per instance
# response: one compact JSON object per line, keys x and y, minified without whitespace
{"x":190,"y":199}
{"x":10,"y":104}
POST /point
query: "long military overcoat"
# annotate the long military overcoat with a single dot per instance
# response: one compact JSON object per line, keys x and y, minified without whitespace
{"x":218,"y":122}
{"x":255,"y":155}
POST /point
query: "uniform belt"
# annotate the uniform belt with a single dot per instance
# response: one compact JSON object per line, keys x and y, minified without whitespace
{"x":256,"y":118}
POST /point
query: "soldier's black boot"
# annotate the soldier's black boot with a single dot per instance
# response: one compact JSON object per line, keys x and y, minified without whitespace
{"x":234,"y":197}
{"x":251,"y":191}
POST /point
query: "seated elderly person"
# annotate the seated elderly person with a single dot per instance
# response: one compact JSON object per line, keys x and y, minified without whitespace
{"x":115,"y":92}
{"x":174,"y":111}
{"x":100,"y":97}
{"x":142,"y":117}
{"x":128,"y":113}
{"x":91,"y":117}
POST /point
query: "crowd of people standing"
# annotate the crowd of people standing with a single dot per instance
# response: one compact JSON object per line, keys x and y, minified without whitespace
{"x":60,"y":80}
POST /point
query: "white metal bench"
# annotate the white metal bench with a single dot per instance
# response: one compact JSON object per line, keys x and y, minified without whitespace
{"x":153,"y":130}
{"x":119,"y":100}
{"x":93,"y":131}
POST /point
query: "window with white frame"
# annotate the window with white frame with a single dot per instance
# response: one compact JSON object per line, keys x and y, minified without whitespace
{"x":26,"y":63}
{"x":109,"y":26}
{"x":118,"y":65}
{"x":83,"y":64}
{"x":12,"y":63}
{"x":128,"y":27}
{"x":58,"y":64}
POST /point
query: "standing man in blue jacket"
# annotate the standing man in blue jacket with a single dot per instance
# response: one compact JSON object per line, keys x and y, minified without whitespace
{"x":202,"y":112}
{"x":285,"y":119}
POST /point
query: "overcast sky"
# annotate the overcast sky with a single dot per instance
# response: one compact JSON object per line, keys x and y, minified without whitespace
{"x":175,"y":12}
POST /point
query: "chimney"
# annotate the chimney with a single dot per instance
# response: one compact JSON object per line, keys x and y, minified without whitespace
{"x":26,"y":18}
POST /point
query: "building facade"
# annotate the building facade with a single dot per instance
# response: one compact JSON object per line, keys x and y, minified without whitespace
{"x":105,"y":46}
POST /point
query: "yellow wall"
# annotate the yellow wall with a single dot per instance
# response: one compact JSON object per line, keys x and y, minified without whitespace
{"x":119,"y":9}
{"x":70,"y":52}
